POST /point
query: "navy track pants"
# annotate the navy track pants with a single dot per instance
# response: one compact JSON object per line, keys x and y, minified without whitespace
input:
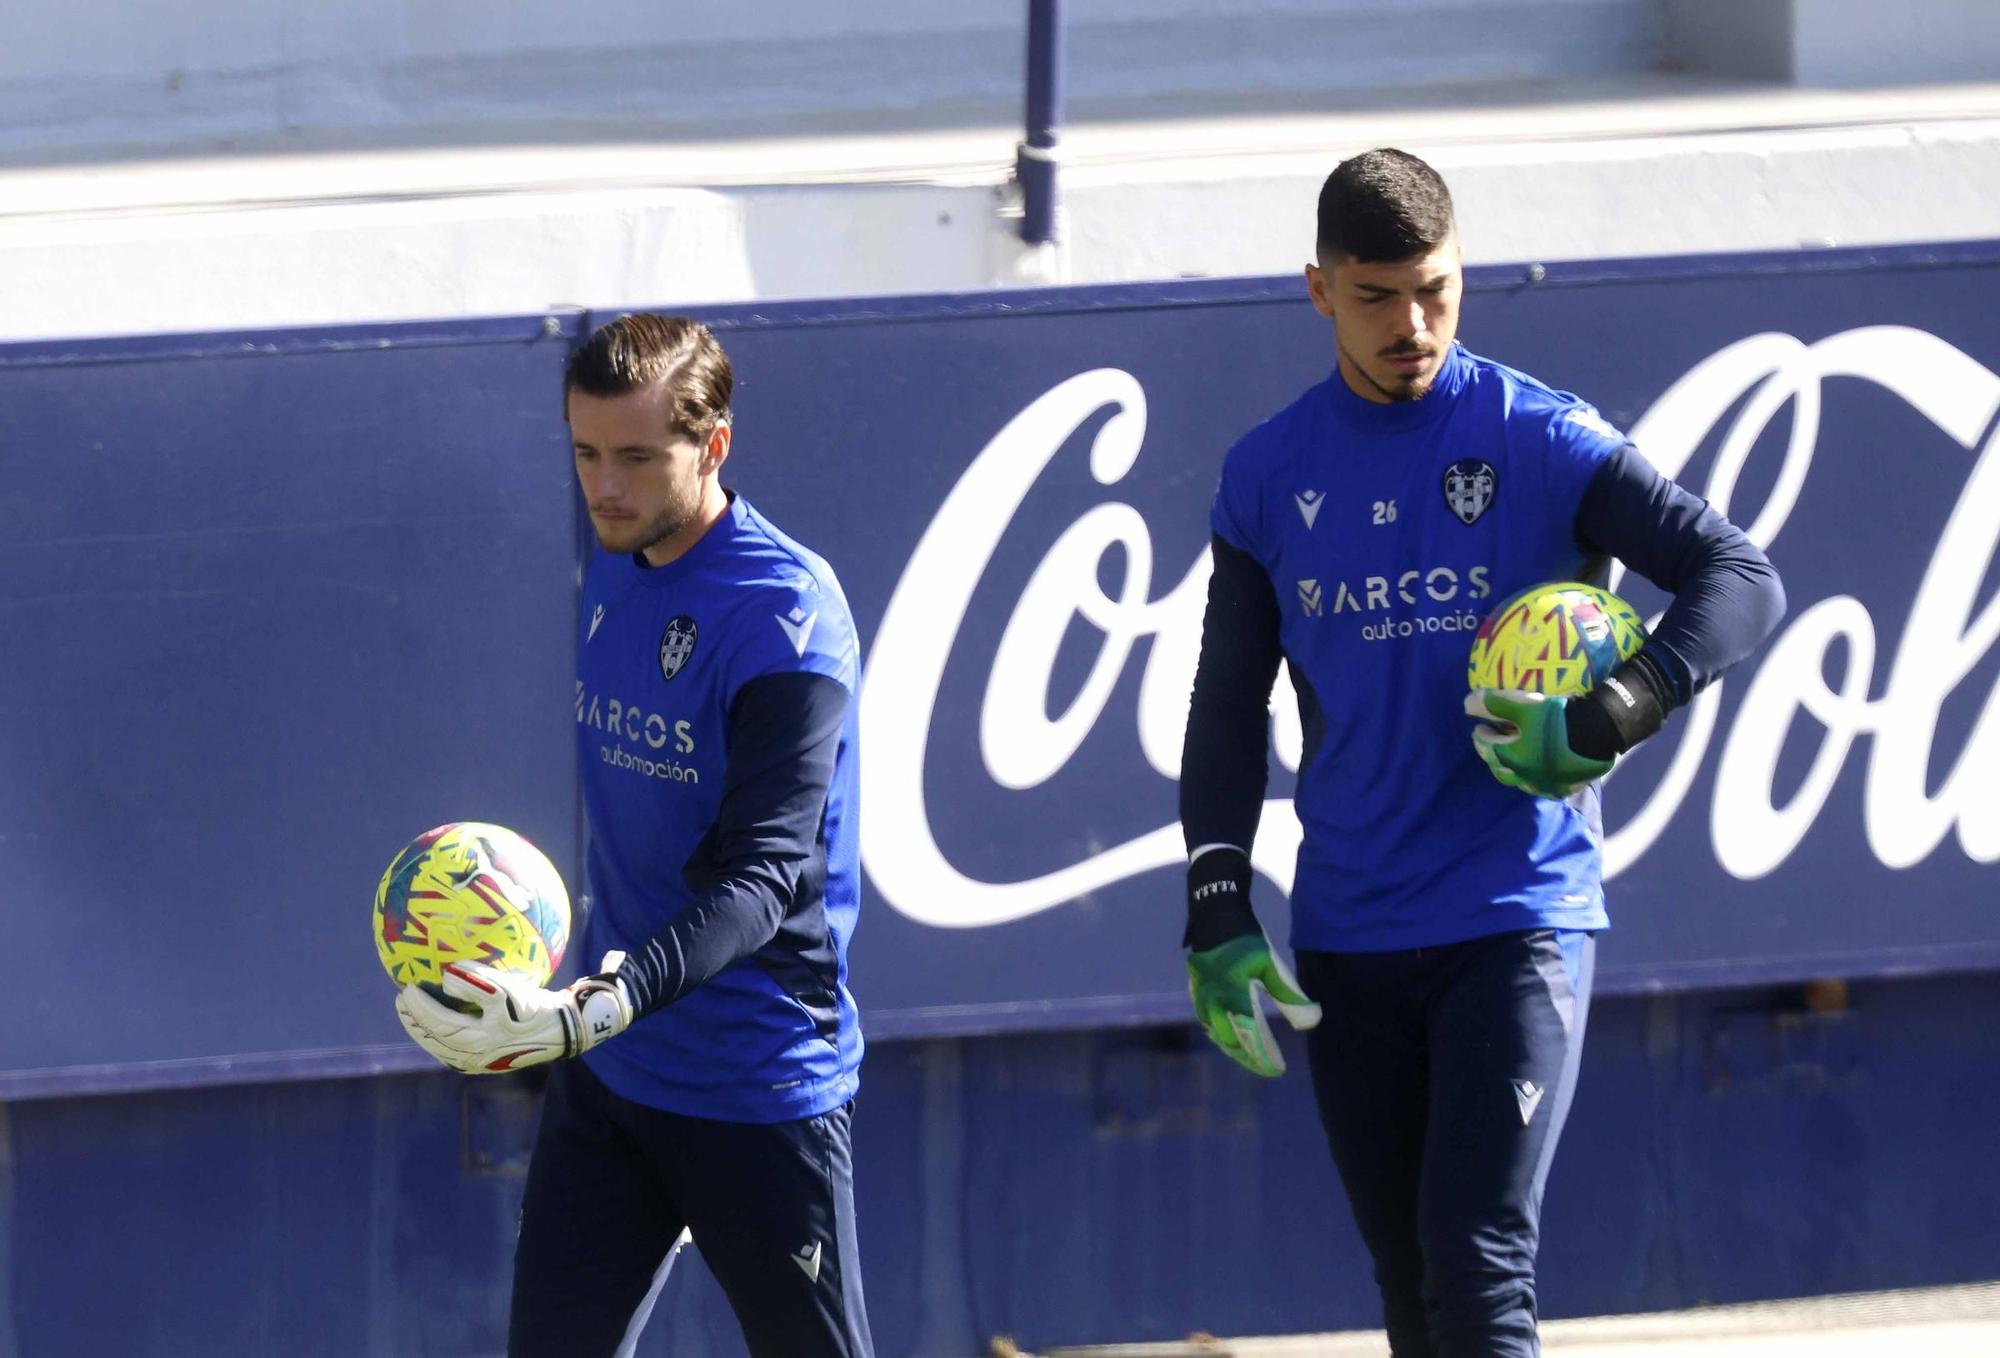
{"x":612,"y":1183}
{"x":1443,"y":1077}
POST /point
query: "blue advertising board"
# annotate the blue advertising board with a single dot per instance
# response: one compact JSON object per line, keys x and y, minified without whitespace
{"x":1016,"y":497}
{"x":271,"y":611}
{"x":269,"y":607}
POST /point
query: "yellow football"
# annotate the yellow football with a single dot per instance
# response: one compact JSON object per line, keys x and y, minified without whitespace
{"x":470,"y":892}
{"x":1558,"y":639}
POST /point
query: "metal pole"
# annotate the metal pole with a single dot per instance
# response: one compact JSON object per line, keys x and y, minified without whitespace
{"x":1035,"y":159}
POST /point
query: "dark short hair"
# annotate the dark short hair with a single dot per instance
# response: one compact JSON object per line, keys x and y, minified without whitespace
{"x":637,"y":350}
{"x":1383,"y":205}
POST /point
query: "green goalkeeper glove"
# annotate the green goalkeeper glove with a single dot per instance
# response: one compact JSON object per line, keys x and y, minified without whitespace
{"x":1228,"y":985}
{"x":1524,"y":739}
{"x":1231,"y":966}
{"x":1553,"y":746}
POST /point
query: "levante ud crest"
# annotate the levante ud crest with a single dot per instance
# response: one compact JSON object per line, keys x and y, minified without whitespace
{"x":676,"y":645}
{"x":1468,"y":487}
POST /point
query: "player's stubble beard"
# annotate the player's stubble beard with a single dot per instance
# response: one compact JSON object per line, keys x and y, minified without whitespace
{"x":1399,"y":388}
{"x":683,"y":502}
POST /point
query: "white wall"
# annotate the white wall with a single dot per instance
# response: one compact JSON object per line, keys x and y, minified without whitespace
{"x":1580,"y":200}
{"x":1865,"y":42}
{"x":1751,"y":39}
{"x":191,"y":74}
{"x":1836,"y":43}
{"x":194,"y":75}
{"x":1623,"y":163}
{"x":109,"y":270}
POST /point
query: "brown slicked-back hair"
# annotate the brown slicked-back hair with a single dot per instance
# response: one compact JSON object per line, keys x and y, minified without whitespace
{"x":637,"y":350}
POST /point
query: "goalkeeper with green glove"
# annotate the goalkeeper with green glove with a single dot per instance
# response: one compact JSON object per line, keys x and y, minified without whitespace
{"x":1448,"y":888}
{"x":1231,"y":966}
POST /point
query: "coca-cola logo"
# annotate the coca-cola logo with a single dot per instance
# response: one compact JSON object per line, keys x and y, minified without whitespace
{"x":1021,"y":746}
{"x":1942,"y":638}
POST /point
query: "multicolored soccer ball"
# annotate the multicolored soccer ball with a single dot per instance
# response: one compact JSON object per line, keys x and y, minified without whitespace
{"x":1558,"y":639}
{"x":470,"y":892}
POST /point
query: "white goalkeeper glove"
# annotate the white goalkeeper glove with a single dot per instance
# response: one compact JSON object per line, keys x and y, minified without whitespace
{"x":514,"y":1022}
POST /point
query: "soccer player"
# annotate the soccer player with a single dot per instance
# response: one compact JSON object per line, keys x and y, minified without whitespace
{"x":716,"y":669}
{"x":1449,"y":883}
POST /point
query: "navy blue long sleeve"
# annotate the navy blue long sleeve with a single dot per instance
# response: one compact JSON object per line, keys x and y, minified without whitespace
{"x":1224,"y":765}
{"x":1727,"y":596}
{"x":763,"y":861}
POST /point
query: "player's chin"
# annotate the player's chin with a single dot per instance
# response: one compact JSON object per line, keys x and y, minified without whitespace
{"x":1406,"y":384}
{"x":618,"y":538}
{"x":1419,"y":383}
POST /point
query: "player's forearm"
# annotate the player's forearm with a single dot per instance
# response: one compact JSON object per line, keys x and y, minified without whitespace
{"x":1730,"y":603}
{"x":1224,"y":765}
{"x":1727,"y":595}
{"x":758,"y":863}
{"x":1222,"y":791}
{"x":726,"y":924}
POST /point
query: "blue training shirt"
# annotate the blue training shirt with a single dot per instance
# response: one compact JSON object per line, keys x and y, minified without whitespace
{"x":1384,"y":533}
{"x":716,"y":732}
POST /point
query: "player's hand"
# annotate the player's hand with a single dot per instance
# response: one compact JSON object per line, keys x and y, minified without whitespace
{"x":1524,"y":739}
{"x":514,"y":1022}
{"x":1231,"y":967}
{"x":1228,"y":984}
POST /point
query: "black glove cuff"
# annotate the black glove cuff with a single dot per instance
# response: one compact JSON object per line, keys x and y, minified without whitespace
{"x":1631,"y":704}
{"x":1219,"y":900}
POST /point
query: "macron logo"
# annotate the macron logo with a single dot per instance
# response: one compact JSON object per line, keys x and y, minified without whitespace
{"x":798,"y":626}
{"x":1309,"y":502}
{"x":1528,"y":1098}
{"x":808,"y":1261}
{"x":595,"y":618}
{"x":1311,"y":598}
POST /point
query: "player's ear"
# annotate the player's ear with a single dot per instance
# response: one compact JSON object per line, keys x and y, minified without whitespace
{"x":717,"y":451}
{"x":1319,"y":284}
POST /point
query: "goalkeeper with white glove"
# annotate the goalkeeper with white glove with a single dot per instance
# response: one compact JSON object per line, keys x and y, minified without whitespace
{"x":505,"y":1022}
{"x":717,"y":1047}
